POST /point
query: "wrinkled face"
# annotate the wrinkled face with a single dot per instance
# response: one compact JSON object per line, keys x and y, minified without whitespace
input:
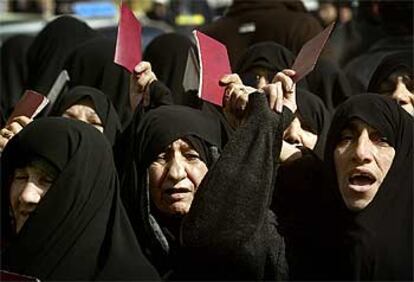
{"x":400,"y":87}
{"x":29,"y":185}
{"x":299,"y":135}
{"x":84,"y":111}
{"x":362,"y":158}
{"x":174,"y":178}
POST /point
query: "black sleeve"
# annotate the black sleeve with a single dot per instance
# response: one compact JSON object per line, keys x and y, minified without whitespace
{"x":230,"y":232}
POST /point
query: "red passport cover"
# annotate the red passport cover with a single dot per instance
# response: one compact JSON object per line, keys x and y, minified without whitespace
{"x":128,"y":42}
{"x":31,"y":104}
{"x":214,"y":64}
{"x":308,"y":56}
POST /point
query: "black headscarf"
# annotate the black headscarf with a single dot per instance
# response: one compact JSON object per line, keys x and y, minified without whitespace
{"x":400,"y":61}
{"x":168,"y":54}
{"x":50,"y":48}
{"x":268,"y":55}
{"x":159,"y":128}
{"x":380,"y":236}
{"x":79,"y":230}
{"x":13,"y":70}
{"x":312,"y":113}
{"x":91,"y":64}
{"x":103,"y":108}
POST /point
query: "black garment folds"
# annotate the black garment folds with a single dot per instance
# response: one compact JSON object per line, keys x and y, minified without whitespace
{"x":79,"y":230}
{"x":91,"y":64}
{"x":103,"y":108}
{"x":157,"y":129}
{"x":397,"y":62}
{"x":230,"y":233}
{"x":50,"y":47}
{"x":379,"y":237}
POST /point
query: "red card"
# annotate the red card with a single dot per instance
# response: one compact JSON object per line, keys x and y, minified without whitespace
{"x":309,"y":54}
{"x":11,"y":276}
{"x":30,"y":105}
{"x":214,"y":64}
{"x":128,"y":42}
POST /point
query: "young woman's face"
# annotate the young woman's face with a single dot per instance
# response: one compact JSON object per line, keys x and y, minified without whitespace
{"x":174,"y":178}
{"x":84,"y":111}
{"x":362,"y":158}
{"x":400,"y":88}
{"x":29,"y":185}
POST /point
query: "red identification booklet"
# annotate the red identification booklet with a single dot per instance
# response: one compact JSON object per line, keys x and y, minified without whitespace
{"x":11,"y":276}
{"x":128,"y":42}
{"x":309,"y":54}
{"x":214,"y":64}
{"x":30,"y":105}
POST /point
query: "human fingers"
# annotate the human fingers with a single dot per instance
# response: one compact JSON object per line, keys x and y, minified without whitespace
{"x":22,"y":120}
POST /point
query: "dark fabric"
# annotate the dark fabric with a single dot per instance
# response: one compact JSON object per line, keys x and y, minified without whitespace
{"x":91,"y":64}
{"x":314,"y":117}
{"x":269,"y":19}
{"x":156,"y":130}
{"x":50,"y":47}
{"x":267,"y":55}
{"x":13,"y":70}
{"x":230,"y":233}
{"x":359,"y":71}
{"x":401,"y":61}
{"x":103,"y":108}
{"x":79,"y":230}
{"x":299,"y":204}
{"x":379,"y":238}
{"x":328,"y":82}
{"x":168,"y":54}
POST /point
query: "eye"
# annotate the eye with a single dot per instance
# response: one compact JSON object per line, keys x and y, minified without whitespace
{"x":191,"y":156}
{"x":379,"y":139}
{"x":161,"y":158}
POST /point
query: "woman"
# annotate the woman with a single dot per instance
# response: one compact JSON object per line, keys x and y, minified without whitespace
{"x":394,"y":77}
{"x":50,"y":48}
{"x":172,"y":149}
{"x":91,"y":64}
{"x":263,"y":60}
{"x":89,"y":105}
{"x":60,"y":202}
{"x":369,"y":156}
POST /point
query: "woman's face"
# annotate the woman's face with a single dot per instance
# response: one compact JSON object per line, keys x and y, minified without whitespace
{"x":174,"y":178}
{"x":296,"y":134}
{"x":400,"y":88}
{"x":84,"y":111}
{"x":29,"y":185}
{"x":362,"y":158}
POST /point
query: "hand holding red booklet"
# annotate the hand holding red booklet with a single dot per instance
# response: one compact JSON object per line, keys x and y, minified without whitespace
{"x":308,"y":56}
{"x":214,"y":64}
{"x":30,"y":105}
{"x":128,"y":42}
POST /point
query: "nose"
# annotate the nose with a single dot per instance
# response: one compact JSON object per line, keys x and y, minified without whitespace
{"x":401,"y":93}
{"x":363,"y":148}
{"x":30,"y":194}
{"x":177,"y":170}
{"x":292,"y":134}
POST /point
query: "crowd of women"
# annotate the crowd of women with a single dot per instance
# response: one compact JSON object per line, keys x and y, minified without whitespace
{"x":132,"y":177}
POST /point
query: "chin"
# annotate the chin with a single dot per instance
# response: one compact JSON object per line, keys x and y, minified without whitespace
{"x":179,"y":209}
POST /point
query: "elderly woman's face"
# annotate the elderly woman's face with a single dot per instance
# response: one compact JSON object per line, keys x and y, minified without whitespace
{"x":174,"y":178}
{"x":362,"y":158}
{"x":84,"y":111}
{"x":29,"y":185}
{"x":400,"y":87}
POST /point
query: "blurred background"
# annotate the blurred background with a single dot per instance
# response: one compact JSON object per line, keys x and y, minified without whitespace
{"x":157,"y":16}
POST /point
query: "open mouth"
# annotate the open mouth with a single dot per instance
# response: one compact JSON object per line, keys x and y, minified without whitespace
{"x":361,"y":181}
